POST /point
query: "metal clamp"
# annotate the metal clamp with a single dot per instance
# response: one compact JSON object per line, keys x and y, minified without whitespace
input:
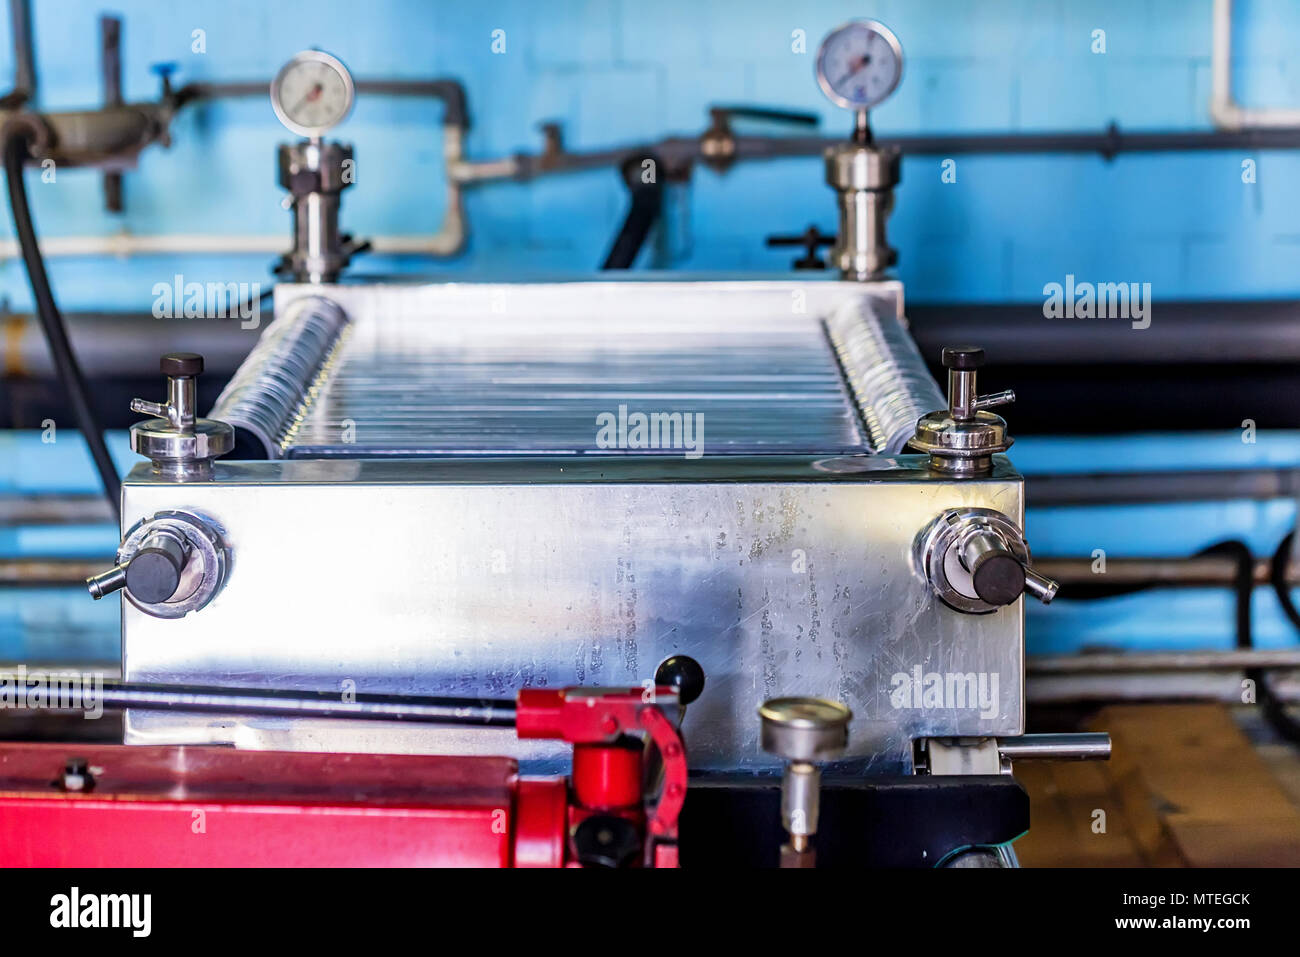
{"x":168,"y":565}
{"x":180,"y":446}
{"x":863,"y":177}
{"x":977,"y":560}
{"x":962,"y":439}
{"x":944,"y":756}
{"x":315,"y":173}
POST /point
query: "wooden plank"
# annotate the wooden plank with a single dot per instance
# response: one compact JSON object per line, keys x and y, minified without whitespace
{"x":1187,"y":774}
{"x":1063,"y":798}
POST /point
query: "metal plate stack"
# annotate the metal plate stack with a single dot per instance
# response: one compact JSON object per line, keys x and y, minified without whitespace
{"x":727,"y":369}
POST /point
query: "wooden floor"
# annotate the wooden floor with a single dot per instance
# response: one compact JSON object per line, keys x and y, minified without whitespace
{"x":1188,"y":785}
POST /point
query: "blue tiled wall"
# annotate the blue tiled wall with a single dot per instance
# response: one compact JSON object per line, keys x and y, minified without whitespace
{"x":617,"y":72}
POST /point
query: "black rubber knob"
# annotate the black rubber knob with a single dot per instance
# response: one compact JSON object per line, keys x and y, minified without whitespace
{"x":963,"y":358}
{"x":153,"y":575}
{"x":182,"y":364}
{"x":682,"y":673}
{"x":607,"y":841}
{"x":999,"y":578}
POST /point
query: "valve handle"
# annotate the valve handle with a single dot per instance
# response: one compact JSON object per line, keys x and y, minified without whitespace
{"x":151,"y":575}
{"x":181,"y":369}
{"x":998,"y":577}
{"x":962,"y":357}
{"x":997,"y":573}
{"x":963,"y":399}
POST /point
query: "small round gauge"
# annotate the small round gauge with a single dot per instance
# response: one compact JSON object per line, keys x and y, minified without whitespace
{"x":312,"y":93}
{"x":859,"y":64}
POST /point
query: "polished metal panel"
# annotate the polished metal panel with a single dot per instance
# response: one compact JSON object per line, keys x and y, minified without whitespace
{"x":527,"y":368}
{"x":442,"y":517}
{"x":782,"y":575}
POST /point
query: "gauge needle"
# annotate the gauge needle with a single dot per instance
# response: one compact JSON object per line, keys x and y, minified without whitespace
{"x":855,"y":66}
{"x":312,"y":95}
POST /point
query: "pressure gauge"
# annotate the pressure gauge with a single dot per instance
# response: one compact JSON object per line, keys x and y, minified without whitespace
{"x":312,"y":93}
{"x":859,"y":64}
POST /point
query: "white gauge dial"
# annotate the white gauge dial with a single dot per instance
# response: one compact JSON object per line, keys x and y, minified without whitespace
{"x":859,"y":64}
{"x":312,"y":93}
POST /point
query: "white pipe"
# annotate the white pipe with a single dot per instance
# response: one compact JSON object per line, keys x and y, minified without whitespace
{"x":447,"y":241}
{"x":126,"y":244}
{"x":1225,"y":112}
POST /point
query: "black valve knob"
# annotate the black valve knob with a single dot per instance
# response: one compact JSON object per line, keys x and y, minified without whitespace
{"x":181,"y":364}
{"x":154,"y":573}
{"x":962,"y":358}
{"x":682,"y":673}
{"x":998,"y":577}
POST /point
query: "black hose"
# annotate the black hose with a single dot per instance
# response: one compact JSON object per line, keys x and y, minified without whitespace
{"x":1243,"y":587}
{"x":642,"y":214}
{"x":56,"y":334}
{"x":479,"y":712}
{"x":1274,"y":709}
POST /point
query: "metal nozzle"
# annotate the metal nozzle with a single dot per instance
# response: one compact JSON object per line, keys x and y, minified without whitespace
{"x":105,"y":583}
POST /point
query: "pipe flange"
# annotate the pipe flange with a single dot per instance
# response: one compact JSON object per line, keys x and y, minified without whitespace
{"x":204,"y":572}
{"x":854,"y":167}
{"x":182,"y":455}
{"x":961,"y":445}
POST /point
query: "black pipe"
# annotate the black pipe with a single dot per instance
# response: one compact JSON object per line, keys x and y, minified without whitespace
{"x":646,"y":206}
{"x":1218,"y":332}
{"x":1115,"y":488}
{"x":679,"y":153}
{"x":1107,"y":144}
{"x":1242,"y":581}
{"x":1249,"y":333}
{"x":272,"y":702}
{"x":20,"y":27}
{"x":15,"y":154}
{"x":127,"y":345}
{"x":110,"y":64}
{"x":450,"y":92}
{"x":1201,"y":571}
{"x":1274,"y":708}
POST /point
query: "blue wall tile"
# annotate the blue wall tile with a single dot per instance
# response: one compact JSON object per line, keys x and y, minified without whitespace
{"x":622,"y":72}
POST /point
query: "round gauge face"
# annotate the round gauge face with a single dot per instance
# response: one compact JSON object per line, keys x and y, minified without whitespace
{"x":859,"y":64}
{"x":312,"y":93}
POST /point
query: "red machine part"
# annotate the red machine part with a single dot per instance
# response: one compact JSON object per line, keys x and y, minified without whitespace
{"x":600,"y":718}
{"x":179,"y":806}
{"x":217,"y":807}
{"x":607,"y":778}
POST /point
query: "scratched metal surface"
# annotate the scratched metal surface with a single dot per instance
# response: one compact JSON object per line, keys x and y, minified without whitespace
{"x":481,"y":577}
